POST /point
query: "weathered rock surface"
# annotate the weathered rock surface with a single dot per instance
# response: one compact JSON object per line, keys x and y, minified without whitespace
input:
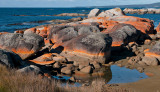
{"x":64,"y":33}
{"x":94,"y":13}
{"x":142,"y":11}
{"x":24,"y":45}
{"x":9,"y":59}
{"x":45,"y":59}
{"x":146,"y":26}
{"x":123,"y":34}
{"x":152,"y":56}
{"x":154,"y":51}
{"x":112,"y":13}
{"x":92,"y":47}
{"x":82,"y":41}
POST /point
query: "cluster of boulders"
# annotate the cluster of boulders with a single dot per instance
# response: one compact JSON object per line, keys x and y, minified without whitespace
{"x":78,"y":48}
{"x":142,"y":11}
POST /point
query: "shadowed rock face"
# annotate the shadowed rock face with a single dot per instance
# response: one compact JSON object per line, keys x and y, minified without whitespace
{"x":123,"y":34}
{"x":24,"y":45}
{"x":9,"y":59}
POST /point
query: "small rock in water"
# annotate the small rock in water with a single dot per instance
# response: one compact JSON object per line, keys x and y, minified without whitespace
{"x":72,"y":79}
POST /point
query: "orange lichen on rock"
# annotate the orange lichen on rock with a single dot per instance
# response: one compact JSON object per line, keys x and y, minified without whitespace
{"x":42,"y":62}
{"x":158,"y":28}
{"x":146,"y":50}
{"x":144,"y":27}
{"x":33,"y":29}
{"x":43,"y":32}
{"x":87,"y":23}
{"x":48,"y":55}
{"x":3,"y":33}
{"x":22,"y":51}
{"x":150,"y":54}
{"x":47,"y":41}
{"x":37,"y":31}
{"x":45,"y":59}
{"x":130,"y":18}
{"x":85,"y":52}
{"x":108,"y":25}
{"x":116,"y":44}
{"x":19,"y":31}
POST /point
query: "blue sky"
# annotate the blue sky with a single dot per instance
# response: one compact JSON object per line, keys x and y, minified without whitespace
{"x":69,"y":3}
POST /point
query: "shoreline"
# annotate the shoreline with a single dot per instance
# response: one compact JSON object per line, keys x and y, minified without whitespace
{"x":82,"y":46}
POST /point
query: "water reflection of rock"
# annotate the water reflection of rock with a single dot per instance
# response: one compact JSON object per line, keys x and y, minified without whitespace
{"x":104,"y":73}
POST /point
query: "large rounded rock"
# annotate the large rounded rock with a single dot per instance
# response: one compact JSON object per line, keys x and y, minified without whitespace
{"x":61,"y":34}
{"x":123,"y":34}
{"x":112,"y":13}
{"x":24,"y":45}
{"x":94,"y":13}
{"x":9,"y":59}
{"x":146,"y":26}
{"x":88,"y":47}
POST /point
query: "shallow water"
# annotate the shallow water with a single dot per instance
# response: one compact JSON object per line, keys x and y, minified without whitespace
{"x":125,"y":75}
{"x":112,"y":75}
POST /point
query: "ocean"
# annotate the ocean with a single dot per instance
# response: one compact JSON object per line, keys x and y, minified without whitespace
{"x":10,"y":21}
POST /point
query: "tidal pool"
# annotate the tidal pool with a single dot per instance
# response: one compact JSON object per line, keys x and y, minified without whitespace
{"x":125,"y":75}
{"x":112,"y":75}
